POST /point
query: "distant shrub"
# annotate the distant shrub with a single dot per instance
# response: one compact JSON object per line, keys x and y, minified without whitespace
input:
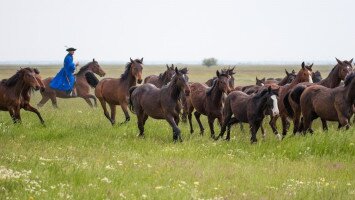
{"x":209,"y":62}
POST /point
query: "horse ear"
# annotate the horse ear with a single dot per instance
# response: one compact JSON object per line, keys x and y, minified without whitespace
{"x":339,"y":62}
{"x":263,"y":80}
{"x":142,"y":60}
{"x":172,"y":66}
{"x":287,"y":72}
{"x":303,"y":65}
{"x":176,"y":70}
{"x":93,"y":60}
{"x":256,"y":78}
{"x":217,"y":73}
{"x":293,"y":71}
{"x":167,"y":66}
{"x":351,"y":61}
{"x":132,"y":61}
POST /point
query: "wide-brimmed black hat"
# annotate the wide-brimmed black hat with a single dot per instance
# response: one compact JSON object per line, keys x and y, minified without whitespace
{"x":71,"y":49}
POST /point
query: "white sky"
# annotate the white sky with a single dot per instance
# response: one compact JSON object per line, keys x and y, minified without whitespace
{"x":179,"y":31}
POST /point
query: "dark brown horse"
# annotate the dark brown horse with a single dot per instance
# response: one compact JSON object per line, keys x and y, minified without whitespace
{"x":292,"y":98}
{"x":304,"y":75}
{"x":81,"y":84}
{"x":248,"y":109}
{"x":114,"y":91}
{"x":230,"y":72}
{"x":208,"y":101}
{"x":16,"y":92}
{"x":149,"y":101}
{"x":161,"y":79}
{"x":329,"y":104}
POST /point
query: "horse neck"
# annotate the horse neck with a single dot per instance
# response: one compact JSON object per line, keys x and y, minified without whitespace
{"x":163,"y":78}
{"x":350,"y":92}
{"x":216,"y":95}
{"x":283,"y":81}
{"x":259,"y":104}
{"x":295,"y":81}
{"x":82,"y":74}
{"x":129,"y":81}
{"x":19,"y":87}
{"x":332,"y":79}
{"x":174,"y":91}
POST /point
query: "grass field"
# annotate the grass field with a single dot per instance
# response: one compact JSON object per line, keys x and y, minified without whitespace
{"x":79,"y":155}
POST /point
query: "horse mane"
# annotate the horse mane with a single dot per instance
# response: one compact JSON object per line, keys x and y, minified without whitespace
{"x":83,"y":69}
{"x":261,"y":93}
{"x":209,"y":90}
{"x":12,"y":80}
{"x":349,"y":78}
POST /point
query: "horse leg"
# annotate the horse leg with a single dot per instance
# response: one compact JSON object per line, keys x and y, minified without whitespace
{"x":93,"y":98}
{"x":211,"y":125}
{"x":262,"y":131}
{"x":141,"y":121}
{"x":197,"y":116}
{"x":43,"y":101}
{"x":54,"y":101}
{"x":113,"y":114}
{"x":232,"y":121}
{"x":296,"y":121}
{"x":285,"y":125}
{"x":189,"y":116}
{"x":272,"y":124}
{"x":28,"y":107}
{"x":103,"y":105}
{"x":254,"y":129}
{"x":88,"y":101}
{"x":241,"y":126}
{"x":324,"y":124}
{"x":17,"y":116}
{"x":176,"y":130}
{"x":125,"y":111}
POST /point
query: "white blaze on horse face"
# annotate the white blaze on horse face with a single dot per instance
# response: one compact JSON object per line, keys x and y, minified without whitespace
{"x":262,"y":84}
{"x":275,"y":107}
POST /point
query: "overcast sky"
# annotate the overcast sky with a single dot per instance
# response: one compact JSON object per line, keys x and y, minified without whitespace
{"x":178,"y":31}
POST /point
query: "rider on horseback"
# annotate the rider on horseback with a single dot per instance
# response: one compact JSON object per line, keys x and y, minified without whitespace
{"x":65,"y":78}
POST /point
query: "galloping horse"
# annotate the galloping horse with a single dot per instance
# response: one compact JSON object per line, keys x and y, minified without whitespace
{"x":17,"y":92}
{"x":292,"y":98}
{"x":149,"y":101}
{"x":304,"y":75}
{"x":81,"y":85}
{"x":330,"y":104}
{"x":208,"y":101}
{"x":114,"y":91}
{"x":248,"y":109}
{"x":230,"y":72}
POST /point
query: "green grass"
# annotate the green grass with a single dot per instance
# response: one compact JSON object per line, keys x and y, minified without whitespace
{"x":79,"y":155}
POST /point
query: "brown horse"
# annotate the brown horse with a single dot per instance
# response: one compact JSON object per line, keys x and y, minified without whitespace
{"x":330,"y":104}
{"x":17,"y":92}
{"x":248,"y":109}
{"x":230,"y":72}
{"x":149,"y":101}
{"x":163,"y":78}
{"x":292,"y":98}
{"x":208,"y":101}
{"x":304,"y":75}
{"x":81,"y":84}
{"x":114,"y":91}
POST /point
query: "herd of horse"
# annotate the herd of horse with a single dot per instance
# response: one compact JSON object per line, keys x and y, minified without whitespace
{"x":301,"y":96}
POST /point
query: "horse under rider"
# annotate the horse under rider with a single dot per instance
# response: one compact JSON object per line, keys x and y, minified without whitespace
{"x":65,"y":78}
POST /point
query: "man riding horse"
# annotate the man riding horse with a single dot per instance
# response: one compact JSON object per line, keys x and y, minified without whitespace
{"x":65,"y":78}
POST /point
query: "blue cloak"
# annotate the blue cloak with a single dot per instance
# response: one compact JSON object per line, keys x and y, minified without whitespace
{"x":65,"y":79}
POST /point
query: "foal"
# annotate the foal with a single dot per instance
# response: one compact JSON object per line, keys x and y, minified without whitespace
{"x":17,"y":92}
{"x":248,"y":109}
{"x":149,"y":101}
{"x":208,"y":101}
{"x":329,"y":104}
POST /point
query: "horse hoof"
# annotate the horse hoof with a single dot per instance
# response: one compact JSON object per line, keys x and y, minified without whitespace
{"x":279,"y":137}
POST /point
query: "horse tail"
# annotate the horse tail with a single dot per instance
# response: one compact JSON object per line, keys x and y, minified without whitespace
{"x":288,"y":105}
{"x":296,"y":94}
{"x":131,"y":107}
{"x":91,"y":79}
